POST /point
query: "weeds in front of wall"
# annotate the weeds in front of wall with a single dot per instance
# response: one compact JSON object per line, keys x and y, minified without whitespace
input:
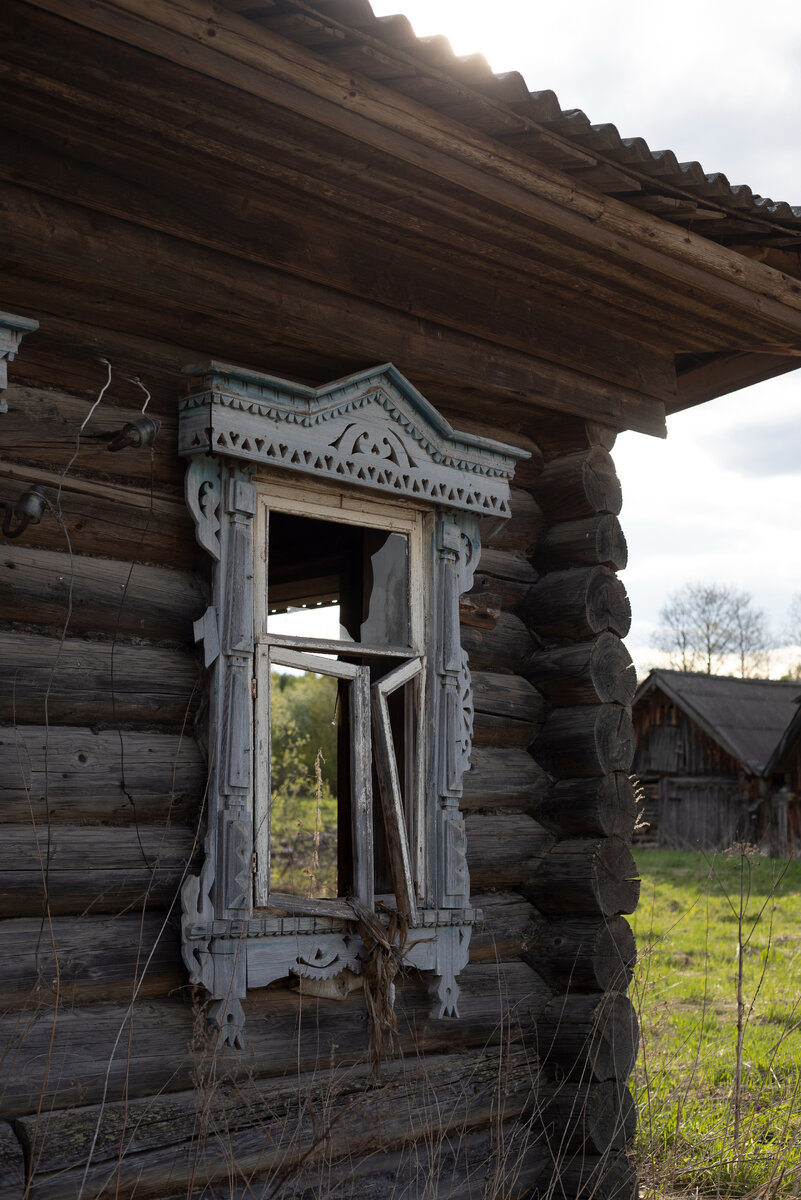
{"x":718,"y":1080}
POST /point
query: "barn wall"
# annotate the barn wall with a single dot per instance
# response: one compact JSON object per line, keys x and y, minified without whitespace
{"x":697,"y":795}
{"x":110,"y":1071}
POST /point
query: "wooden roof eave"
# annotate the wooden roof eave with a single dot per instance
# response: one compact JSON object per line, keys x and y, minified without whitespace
{"x":792,"y":731}
{"x":244,"y":55}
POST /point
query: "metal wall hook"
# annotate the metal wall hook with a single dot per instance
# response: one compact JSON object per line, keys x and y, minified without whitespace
{"x":28,"y":510}
{"x":140,"y":432}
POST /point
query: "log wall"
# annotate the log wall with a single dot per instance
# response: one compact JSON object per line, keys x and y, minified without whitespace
{"x":110,"y":1075}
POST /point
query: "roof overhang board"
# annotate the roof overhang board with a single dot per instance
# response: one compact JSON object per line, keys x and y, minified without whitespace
{"x":240,"y":52}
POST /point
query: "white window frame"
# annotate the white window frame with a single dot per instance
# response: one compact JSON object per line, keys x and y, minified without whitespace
{"x":405,"y":823}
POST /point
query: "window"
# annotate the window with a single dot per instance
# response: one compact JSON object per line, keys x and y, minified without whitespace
{"x":329,"y":552}
{"x":356,"y":497}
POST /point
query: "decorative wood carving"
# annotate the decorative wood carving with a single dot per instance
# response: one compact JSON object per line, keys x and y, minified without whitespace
{"x":374,"y":430}
{"x":12,"y":331}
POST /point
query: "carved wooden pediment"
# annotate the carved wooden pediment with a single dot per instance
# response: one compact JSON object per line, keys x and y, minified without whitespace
{"x":372,"y":429}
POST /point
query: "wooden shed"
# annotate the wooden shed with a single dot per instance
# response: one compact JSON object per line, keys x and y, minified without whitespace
{"x":302,"y":312}
{"x":710,"y":757}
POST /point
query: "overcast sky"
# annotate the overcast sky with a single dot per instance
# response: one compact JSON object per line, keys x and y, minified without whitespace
{"x":718,"y":82}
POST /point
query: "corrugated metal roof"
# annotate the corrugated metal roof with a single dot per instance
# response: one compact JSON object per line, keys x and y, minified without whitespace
{"x":426,"y":69}
{"x":746,"y":716}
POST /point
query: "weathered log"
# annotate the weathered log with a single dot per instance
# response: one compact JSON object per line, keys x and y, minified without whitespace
{"x":610,"y":1176}
{"x":509,"y":592}
{"x":106,"y":519}
{"x":82,"y":682}
{"x":507,"y":1158}
{"x":577,"y":604}
{"x":492,"y":730}
{"x":42,"y":426}
{"x":77,"y":959}
{"x":507,"y":778}
{"x":599,"y":671}
{"x":562,"y":435}
{"x":508,"y":930}
{"x":506,"y":646}
{"x":586,"y":877}
{"x":66,"y":1054}
{"x":579,"y":485}
{"x":523,"y":529}
{"x":593,"y":1037}
{"x":585,"y":741}
{"x":595,"y":1117}
{"x":583,"y":956}
{"x":107,"y":596}
{"x":270,"y":1126}
{"x":505,"y":850}
{"x":506,"y":574}
{"x":12,"y":1164}
{"x":69,"y":774}
{"x":97,"y":866}
{"x":605,"y":806}
{"x":479,"y":609}
{"x":509,"y":565}
{"x":585,"y":542}
{"x":506,"y":696}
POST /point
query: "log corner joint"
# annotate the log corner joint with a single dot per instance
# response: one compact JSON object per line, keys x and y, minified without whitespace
{"x":374,"y":432}
{"x":12,"y":331}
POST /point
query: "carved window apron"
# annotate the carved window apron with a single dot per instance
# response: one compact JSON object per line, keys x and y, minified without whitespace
{"x":302,"y":493}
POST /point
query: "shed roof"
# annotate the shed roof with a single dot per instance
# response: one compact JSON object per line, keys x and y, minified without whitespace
{"x":387,"y":50}
{"x":747,"y":717}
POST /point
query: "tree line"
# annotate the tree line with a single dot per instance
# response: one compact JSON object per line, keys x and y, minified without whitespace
{"x":706,"y":627}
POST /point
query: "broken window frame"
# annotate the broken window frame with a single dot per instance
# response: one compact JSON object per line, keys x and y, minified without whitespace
{"x":368,"y":705}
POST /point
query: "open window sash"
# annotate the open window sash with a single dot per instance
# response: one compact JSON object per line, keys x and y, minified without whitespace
{"x":358,"y":686}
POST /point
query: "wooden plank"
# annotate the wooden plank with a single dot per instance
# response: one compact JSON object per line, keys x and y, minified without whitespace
{"x":73,"y":960}
{"x":270,"y":1128}
{"x":95,"y":867}
{"x":101,"y":518}
{"x":65,"y":1055}
{"x":80,"y":682}
{"x":101,"y":595}
{"x":70,"y":775}
{"x":506,"y":778}
{"x":60,"y":238}
{"x":505,"y":850}
{"x":251,"y":58}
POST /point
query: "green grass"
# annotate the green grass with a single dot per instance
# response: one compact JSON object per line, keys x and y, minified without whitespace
{"x":686,"y":993}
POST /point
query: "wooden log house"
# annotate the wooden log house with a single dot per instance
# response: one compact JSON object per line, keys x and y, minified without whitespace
{"x":385,"y":312}
{"x":715,"y":761}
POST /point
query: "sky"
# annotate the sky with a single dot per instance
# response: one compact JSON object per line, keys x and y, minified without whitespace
{"x":720,"y":500}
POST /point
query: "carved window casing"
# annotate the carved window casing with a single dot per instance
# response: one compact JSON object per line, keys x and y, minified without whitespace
{"x":368,"y":458}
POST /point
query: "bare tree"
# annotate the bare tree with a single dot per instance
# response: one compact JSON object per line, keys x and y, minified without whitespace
{"x":792,"y":634}
{"x":703,"y":623}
